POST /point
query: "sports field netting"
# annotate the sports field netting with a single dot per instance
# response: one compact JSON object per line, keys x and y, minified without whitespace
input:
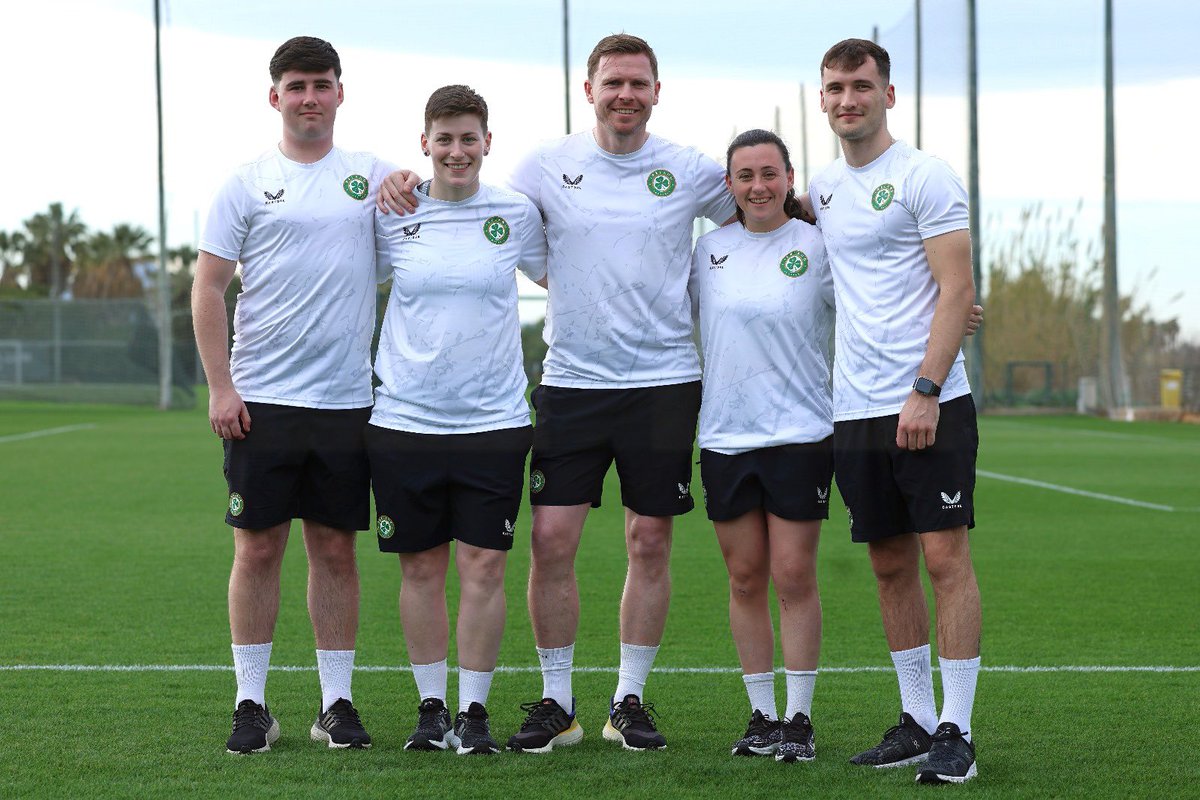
{"x":115,"y":655}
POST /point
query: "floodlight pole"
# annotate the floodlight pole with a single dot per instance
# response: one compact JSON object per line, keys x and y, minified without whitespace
{"x":804,"y":136}
{"x":164,"y":282}
{"x":566,"y":65}
{"x":1117,"y":386}
{"x":974,"y":343}
{"x":917,"y":29}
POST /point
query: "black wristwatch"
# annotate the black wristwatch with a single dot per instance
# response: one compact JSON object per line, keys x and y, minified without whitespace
{"x":926,"y":387}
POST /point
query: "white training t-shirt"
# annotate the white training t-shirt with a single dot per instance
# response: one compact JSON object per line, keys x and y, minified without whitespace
{"x":874,"y":220}
{"x":449,"y":357}
{"x":620,"y":235}
{"x":305,"y":237}
{"x":765,"y":302}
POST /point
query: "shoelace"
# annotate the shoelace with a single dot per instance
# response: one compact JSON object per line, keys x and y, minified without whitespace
{"x":948,"y":736}
{"x":248,"y":714}
{"x":637,"y":714}
{"x":429,"y":717}
{"x":539,"y":713}
{"x":343,"y":713}
{"x":797,"y":726}
{"x":759,"y":726}
{"x":474,"y":725}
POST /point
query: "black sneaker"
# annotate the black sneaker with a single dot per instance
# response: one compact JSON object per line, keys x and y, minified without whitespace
{"x":906,"y":743}
{"x":761,"y":738}
{"x":546,"y":725}
{"x":951,"y":758}
{"x":434,"y":731}
{"x":474,"y":732}
{"x":797,"y":740}
{"x":340,"y":727}
{"x":254,"y":729}
{"x":631,"y":724}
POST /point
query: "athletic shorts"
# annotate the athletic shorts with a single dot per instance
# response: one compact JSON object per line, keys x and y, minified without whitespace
{"x":790,"y":481}
{"x":890,"y":491}
{"x":299,"y":463}
{"x":434,"y":487}
{"x":648,"y":432}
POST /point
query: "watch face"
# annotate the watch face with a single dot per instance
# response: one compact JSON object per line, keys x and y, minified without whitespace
{"x":926,"y":387}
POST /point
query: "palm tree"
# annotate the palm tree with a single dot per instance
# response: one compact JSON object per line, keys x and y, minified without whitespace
{"x":11,"y":267}
{"x":49,"y":248}
{"x":105,"y":267}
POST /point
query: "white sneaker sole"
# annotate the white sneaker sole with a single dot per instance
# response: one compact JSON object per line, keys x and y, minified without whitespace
{"x":614,"y":735}
{"x":971,"y":773}
{"x":570,"y":736}
{"x":319,"y":734}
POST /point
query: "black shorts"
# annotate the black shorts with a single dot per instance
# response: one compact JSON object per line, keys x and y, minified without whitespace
{"x":299,"y":463}
{"x":648,"y":432}
{"x":790,"y":481}
{"x":890,"y":491}
{"x":431,"y":488}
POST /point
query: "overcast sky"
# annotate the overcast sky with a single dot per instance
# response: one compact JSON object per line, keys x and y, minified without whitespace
{"x":81,"y":127}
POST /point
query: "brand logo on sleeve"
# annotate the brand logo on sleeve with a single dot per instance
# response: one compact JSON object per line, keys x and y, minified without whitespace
{"x":660,"y":182}
{"x":794,"y":264}
{"x":356,"y":187}
{"x":883,"y":196}
{"x":274,"y":198}
{"x":717,"y":263}
{"x":496,"y":230}
{"x":572,"y":184}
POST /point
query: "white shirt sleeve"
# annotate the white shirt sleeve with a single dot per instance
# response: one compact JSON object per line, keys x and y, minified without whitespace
{"x":716,"y":201}
{"x":228,"y":221}
{"x":532,"y":260}
{"x":939,"y":199}
{"x":526,"y":178}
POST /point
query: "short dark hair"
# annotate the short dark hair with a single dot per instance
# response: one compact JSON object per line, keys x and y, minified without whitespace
{"x":453,"y":101}
{"x":620,"y":44}
{"x":751,"y":138}
{"x":305,"y":54}
{"x":850,"y":54}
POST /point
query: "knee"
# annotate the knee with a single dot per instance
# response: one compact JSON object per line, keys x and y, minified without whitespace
{"x":334,"y":552}
{"x":259,"y":552}
{"x":482,"y":572}
{"x":794,"y":585}
{"x":424,"y":569}
{"x":948,"y":564}
{"x":649,"y":541}
{"x":894,"y":567}
{"x":552,"y":546}
{"x":747,"y":584}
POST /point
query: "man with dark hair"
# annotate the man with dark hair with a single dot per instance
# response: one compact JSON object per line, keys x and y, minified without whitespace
{"x":291,"y":401}
{"x":894,"y":221}
{"x":621,"y":380}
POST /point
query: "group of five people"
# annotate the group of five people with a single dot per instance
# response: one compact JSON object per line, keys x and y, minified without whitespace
{"x":603,"y":219}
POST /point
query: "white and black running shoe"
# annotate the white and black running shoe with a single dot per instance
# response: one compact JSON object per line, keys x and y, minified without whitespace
{"x":905,"y":743}
{"x":339,"y":727}
{"x":254,"y":729}
{"x":762,"y":736}
{"x":434,"y":729}
{"x":797,"y":743}
{"x":474,"y":732}
{"x":951,"y":757}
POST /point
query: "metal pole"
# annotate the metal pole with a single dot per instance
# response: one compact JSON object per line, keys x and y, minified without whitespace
{"x":917,"y":28}
{"x":974,"y":352}
{"x":778,"y":123}
{"x":566,"y":65}
{"x":804,"y":137}
{"x":1118,"y":389}
{"x":164,"y":280}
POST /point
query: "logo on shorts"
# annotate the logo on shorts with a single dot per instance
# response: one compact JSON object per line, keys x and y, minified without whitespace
{"x":949,"y":502}
{"x":822,"y":495}
{"x":537,"y":481}
{"x":572,"y":184}
{"x":685,"y":490}
{"x":850,"y":517}
{"x":660,"y":183}
{"x":236,"y":504}
{"x":386,"y":527}
{"x":496,"y":230}
{"x":704,"y":493}
{"x":794,"y":264}
{"x":508,"y":529}
{"x":883,"y":196}
{"x":356,"y":187}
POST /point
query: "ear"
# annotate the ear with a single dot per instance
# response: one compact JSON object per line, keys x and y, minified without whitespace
{"x":728,"y":182}
{"x":487,"y":142}
{"x":587,"y":90}
{"x":822,"y":95}
{"x":890,"y":95}
{"x":424,"y":144}
{"x":273,"y":97}
{"x":657,"y":87}
{"x":791,"y":180}
{"x":341,"y":93}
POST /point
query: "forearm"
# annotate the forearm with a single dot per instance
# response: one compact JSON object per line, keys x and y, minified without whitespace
{"x":211,"y":323}
{"x":946,"y":331}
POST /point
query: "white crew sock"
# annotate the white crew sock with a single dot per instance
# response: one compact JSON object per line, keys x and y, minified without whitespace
{"x":431,"y":680}
{"x":958,"y":691}
{"x":556,"y":674}
{"x":915,"y":674}
{"x":250,"y":663}
{"x":800,"y":685}
{"x":473,"y":687}
{"x":760,"y":688}
{"x":636,"y":661}
{"x":335,"y":668}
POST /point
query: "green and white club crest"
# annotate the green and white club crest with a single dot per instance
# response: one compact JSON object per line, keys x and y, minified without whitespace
{"x":385,"y":526}
{"x":236,"y":504}
{"x":882,"y":197}
{"x":660,"y":182}
{"x":794,"y":264}
{"x":537,"y":481}
{"x":356,"y":187}
{"x":496,"y":230}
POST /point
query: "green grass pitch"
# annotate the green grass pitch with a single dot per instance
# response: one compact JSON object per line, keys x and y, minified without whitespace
{"x":113,"y":553}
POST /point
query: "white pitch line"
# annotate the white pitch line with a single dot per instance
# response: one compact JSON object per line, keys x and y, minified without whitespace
{"x":1054,"y":487}
{"x":534,"y":669}
{"x":20,"y":437}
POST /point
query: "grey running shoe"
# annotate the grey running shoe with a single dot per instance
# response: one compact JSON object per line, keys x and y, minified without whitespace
{"x":434,"y":731}
{"x":798,"y":743}
{"x":762,"y":737}
{"x":340,"y":727}
{"x":254,"y":729}
{"x":951,"y":758}
{"x":474,"y":732}
{"x":630,"y":723}
{"x":546,"y":725}
{"x":905,"y":743}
